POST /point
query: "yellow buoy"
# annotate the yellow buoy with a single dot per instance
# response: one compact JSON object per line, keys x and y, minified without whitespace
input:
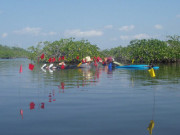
{"x":152,"y":73}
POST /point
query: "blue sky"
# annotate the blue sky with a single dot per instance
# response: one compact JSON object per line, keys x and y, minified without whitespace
{"x":106,"y":23}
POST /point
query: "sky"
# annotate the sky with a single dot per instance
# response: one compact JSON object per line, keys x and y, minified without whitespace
{"x":105,"y":23}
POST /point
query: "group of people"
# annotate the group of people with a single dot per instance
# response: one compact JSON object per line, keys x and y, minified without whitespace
{"x":87,"y":62}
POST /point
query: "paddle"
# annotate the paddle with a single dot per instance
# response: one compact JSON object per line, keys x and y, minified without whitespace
{"x":118,"y":63}
{"x":132,"y":61}
{"x":79,"y":64}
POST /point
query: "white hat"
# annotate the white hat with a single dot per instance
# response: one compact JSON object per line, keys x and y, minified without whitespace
{"x":88,"y":59}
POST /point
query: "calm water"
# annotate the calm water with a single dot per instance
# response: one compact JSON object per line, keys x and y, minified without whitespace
{"x":88,"y":102}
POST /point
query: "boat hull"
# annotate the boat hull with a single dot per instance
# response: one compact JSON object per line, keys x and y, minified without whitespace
{"x":136,"y":67}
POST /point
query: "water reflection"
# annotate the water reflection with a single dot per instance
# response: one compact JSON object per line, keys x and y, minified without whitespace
{"x":50,"y":98}
{"x":76,"y":78}
{"x":31,"y":105}
{"x":80,"y":78}
{"x":150,"y":127}
{"x":42,"y":105}
{"x":61,"y":87}
{"x":166,"y":74}
{"x":108,"y":71}
{"x":152,"y":123}
{"x":67,"y":79}
{"x":21,"y":113}
{"x":130,"y":88}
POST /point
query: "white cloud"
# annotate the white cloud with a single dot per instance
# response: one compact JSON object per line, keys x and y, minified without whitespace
{"x":122,"y":37}
{"x":79,"y":33}
{"x":127,"y":28}
{"x":141,"y":36}
{"x":34,"y":31}
{"x":4,"y":35}
{"x":108,"y":26}
{"x":178,"y":16}
{"x":158,"y":26}
{"x":137,"y":36}
{"x":28,"y":30}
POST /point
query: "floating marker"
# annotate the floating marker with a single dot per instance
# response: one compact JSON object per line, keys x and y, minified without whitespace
{"x":152,"y":73}
{"x":31,"y":67}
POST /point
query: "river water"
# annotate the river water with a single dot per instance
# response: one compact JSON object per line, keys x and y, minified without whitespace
{"x":88,"y":101}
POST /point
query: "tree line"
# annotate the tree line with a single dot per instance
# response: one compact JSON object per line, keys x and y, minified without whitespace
{"x":142,"y":51}
{"x":148,"y":51}
{"x":7,"y":52}
{"x":70,"y":49}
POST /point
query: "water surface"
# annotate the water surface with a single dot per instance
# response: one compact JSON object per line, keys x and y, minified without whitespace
{"x":88,"y":101}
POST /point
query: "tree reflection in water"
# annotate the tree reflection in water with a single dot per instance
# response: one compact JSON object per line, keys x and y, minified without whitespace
{"x":84,"y":77}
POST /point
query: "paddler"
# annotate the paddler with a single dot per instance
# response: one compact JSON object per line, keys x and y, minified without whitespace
{"x":111,"y":62}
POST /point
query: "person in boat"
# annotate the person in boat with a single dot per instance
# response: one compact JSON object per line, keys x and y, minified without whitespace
{"x":151,"y":65}
{"x":104,"y":63}
{"x":63,"y":65}
{"x":86,"y":62}
{"x":111,"y":62}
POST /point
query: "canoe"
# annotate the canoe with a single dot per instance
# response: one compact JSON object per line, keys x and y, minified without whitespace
{"x":84,"y":65}
{"x":136,"y":67}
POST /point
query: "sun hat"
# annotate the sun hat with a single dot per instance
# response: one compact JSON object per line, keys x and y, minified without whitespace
{"x":88,"y":59}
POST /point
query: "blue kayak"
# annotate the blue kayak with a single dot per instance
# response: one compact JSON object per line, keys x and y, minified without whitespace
{"x":137,"y":67}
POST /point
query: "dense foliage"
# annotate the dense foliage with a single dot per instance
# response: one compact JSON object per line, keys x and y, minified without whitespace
{"x":151,"y":50}
{"x":12,"y":52}
{"x":69,"y":48}
{"x":142,"y":51}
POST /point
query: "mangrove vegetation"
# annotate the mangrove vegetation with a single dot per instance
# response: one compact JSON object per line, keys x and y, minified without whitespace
{"x":68,"y":49}
{"x":12,"y":52}
{"x":148,"y":51}
{"x":71,"y":50}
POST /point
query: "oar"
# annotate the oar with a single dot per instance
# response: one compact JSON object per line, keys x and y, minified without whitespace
{"x":132,"y":61}
{"x":79,"y":64}
{"x":118,"y":63}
